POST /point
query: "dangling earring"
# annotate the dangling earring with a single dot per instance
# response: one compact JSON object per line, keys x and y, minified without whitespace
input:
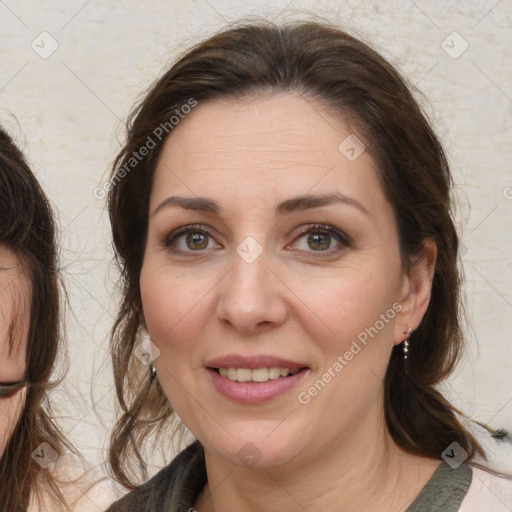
{"x":407,"y":335}
{"x":147,"y":353}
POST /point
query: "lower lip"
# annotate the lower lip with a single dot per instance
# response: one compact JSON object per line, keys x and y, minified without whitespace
{"x":254,"y":392}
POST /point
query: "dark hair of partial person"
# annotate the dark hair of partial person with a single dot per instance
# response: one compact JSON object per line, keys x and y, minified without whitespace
{"x":330,"y":68}
{"x":27,"y":229}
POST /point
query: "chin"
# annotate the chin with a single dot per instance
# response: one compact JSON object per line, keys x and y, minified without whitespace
{"x":255,"y":451}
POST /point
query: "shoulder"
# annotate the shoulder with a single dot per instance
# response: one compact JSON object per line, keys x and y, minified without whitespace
{"x":488,"y":492}
{"x":172,"y":486}
{"x":146,"y":496}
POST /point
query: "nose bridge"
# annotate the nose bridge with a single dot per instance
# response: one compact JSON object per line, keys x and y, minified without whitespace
{"x":250,"y":266}
{"x":250,"y":295}
{"x":249,"y":280}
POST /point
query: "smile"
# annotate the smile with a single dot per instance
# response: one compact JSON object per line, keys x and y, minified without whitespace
{"x":254,"y":379}
{"x":255,"y":375}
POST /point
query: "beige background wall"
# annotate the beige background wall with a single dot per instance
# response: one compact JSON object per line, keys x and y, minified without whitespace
{"x":70,"y":105}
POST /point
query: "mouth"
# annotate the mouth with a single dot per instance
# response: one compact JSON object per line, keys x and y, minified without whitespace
{"x":263,"y":374}
{"x":256,"y":379}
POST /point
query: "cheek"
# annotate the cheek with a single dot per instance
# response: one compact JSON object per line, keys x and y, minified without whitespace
{"x":174,"y":308}
{"x":348,"y":304}
{"x":354,"y":339}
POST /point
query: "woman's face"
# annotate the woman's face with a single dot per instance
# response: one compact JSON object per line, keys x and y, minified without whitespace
{"x":290,"y":261}
{"x":12,"y":361}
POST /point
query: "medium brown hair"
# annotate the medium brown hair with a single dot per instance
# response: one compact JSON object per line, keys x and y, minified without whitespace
{"x":27,"y":229}
{"x":338,"y":71}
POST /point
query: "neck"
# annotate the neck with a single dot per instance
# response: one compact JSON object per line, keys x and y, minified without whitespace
{"x":365,"y":471}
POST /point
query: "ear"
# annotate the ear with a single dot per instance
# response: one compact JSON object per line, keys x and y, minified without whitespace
{"x":416,"y":291}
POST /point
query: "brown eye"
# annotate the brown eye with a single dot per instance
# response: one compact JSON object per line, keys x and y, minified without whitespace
{"x":189,"y":239}
{"x":196,"y":241}
{"x":319,"y":241}
{"x":321,"y":238}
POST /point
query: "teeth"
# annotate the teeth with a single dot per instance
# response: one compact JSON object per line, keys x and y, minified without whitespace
{"x":256,"y":375}
{"x":243,"y":374}
{"x":274,"y":373}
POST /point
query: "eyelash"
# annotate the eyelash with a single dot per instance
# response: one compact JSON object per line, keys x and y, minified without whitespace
{"x":341,"y":237}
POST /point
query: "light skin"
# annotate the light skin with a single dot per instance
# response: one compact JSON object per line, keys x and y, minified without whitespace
{"x":304,"y":299}
{"x":14,"y":311}
{"x":12,"y":361}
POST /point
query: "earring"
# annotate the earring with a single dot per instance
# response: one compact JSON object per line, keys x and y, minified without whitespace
{"x":152,"y":370}
{"x":407,"y":335}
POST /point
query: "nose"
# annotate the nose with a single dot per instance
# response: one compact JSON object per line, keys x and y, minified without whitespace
{"x":252,"y":298}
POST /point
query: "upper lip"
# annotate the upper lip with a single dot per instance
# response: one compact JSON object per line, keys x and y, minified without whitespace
{"x":253,"y":362}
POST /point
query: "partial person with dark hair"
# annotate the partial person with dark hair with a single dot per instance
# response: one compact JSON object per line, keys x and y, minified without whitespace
{"x":282,"y":217}
{"x":39,"y":469}
{"x":29,"y":328}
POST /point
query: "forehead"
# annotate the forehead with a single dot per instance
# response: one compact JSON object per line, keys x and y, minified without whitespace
{"x":264,"y":131}
{"x":282,"y":142}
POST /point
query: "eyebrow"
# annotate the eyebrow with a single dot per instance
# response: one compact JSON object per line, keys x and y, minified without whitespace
{"x":294,"y":204}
